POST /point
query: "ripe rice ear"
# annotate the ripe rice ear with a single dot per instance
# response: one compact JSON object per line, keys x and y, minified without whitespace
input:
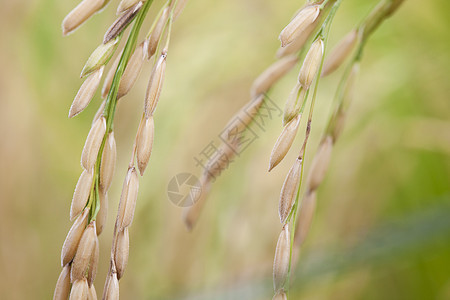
{"x":155,"y":36}
{"x":80,"y":14}
{"x":311,"y":64}
{"x":340,"y":53}
{"x":284,"y":142}
{"x":84,"y":252}
{"x":86,"y":92}
{"x":155,"y":85}
{"x":122,"y":22}
{"x":73,"y":238}
{"x":132,"y":71}
{"x":320,"y":163}
{"x":103,"y":212}
{"x":121,"y":252}
{"x":144,"y":143}
{"x":305,"y":218}
{"x":272,"y":74}
{"x":128,"y":198}
{"x":281,"y":261}
{"x":62,"y":289}
{"x":81,"y":194}
{"x":79,"y":290}
{"x":108,"y":163}
{"x":299,"y":23}
{"x":289,"y":190}
{"x":93,"y":143}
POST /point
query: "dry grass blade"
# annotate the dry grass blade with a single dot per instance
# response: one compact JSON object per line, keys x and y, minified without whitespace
{"x":84,"y":252}
{"x":103,"y":212}
{"x":311,"y":64}
{"x":122,"y":22}
{"x":108,"y":163}
{"x":299,"y":23}
{"x":93,"y":143}
{"x":79,"y":290}
{"x":81,"y":194}
{"x":289,"y":191}
{"x":80,"y":14}
{"x":155,"y":36}
{"x":144,"y":143}
{"x":155,"y":85}
{"x":281,"y":261}
{"x":128,"y":198}
{"x":340,"y":53}
{"x":62,"y":289}
{"x":320,"y":163}
{"x":305,"y":217}
{"x":73,"y":238}
{"x":122,"y":251}
{"x":132,"y":71}
{"x":272,"y":74}
{"x":284,"y":142}
{"x":86,"y":93}
{"x":93,"y":262}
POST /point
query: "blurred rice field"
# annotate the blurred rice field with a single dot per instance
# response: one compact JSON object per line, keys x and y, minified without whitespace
{"x":382,"y":227}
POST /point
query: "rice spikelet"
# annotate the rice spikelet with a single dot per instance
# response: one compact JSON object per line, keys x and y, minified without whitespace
{"x":102,"y":214}
{"x":79,"y":290}
{"x":122,"y":22}
{"x":281,"y":295}
{"x":111,"y":291}
{"x":297,"y":44}
{"x":93,"y":262}
{"x":80,"y":14}
{"x":299,"y":24}
{"x":320,"y":163}
{"x":84,"y":252}
{"x":81,"y":194}
{"x":144,"y":143}
{"x":289,"y":190}
{"x":93,"y":143}
{"x":110,"y":75}
{"x":294,"y":103}
{"x":305,"y":217}
{"x":152,"y":42}
{"x":311,"y":64}
{"x":73,"y":238}
{"x":281,"y":261}
{"x":284,"y":142}
{"x":192,"y":213}
{"x":132,"y":71}
{"x":108,"y":163}
{"x":101,"y":55}
{"x":128,"y":198}
{"x":86,"y":92}
{"x":155,"y":85}
{"x":272,"y":74}
{"x":122,"y":251}
{"x":340,"y":52}
{"x":125,"y":5}
{"x":62,"y":289}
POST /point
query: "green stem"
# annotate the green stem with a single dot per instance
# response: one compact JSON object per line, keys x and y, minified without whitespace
{"x":111,"y":102}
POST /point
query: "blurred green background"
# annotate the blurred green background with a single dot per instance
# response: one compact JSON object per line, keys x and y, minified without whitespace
{"x":382,"y":227}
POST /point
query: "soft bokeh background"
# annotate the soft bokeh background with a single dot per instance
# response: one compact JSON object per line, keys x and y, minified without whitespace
{"x":382,"y":227}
